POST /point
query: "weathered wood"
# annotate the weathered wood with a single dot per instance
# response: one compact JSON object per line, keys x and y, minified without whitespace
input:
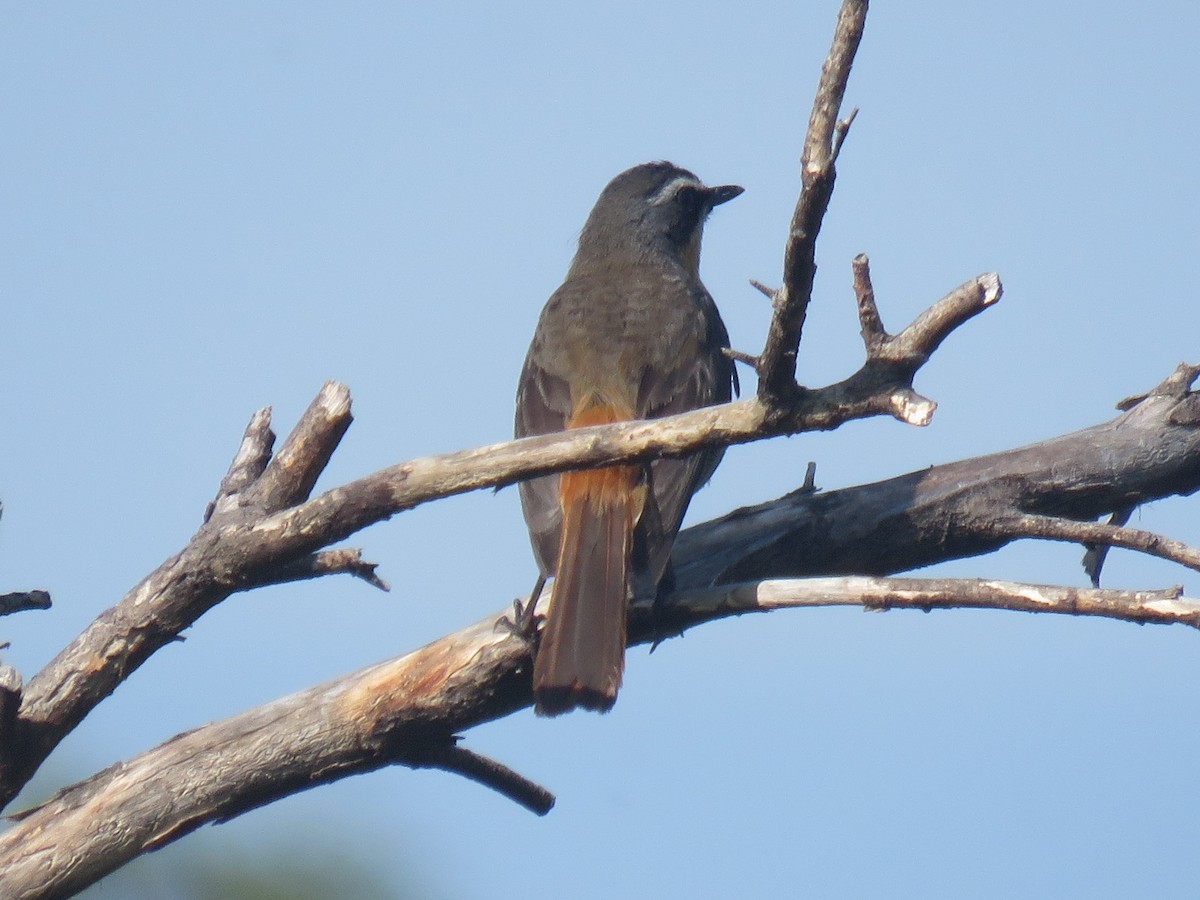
{"x":268,"y":530}
{"x":958,"y":509}
{"x":406,"y":710}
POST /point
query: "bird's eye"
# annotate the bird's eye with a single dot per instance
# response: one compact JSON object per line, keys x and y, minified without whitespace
{"x":688,"y":200}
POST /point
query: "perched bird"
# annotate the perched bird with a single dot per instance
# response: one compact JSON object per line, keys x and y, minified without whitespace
{"x":631,"y":334}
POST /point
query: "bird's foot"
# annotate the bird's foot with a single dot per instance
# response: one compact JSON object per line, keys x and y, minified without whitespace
{"x":525,"y":620}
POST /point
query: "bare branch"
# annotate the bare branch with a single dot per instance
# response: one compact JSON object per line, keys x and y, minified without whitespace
{"x":406,"y":710}
{"x":248,"y":463}
{"x":767,"y":292}
{"x":871,"y":325}
{"x":777,"y":368}
{"x":394,"y":712}
{"x":934,"y":325}
{"x":451,"y":756}
{"x":950,"y":511}
{"x":1177,"y":384}
{"x":840,"y":131}
{"x":1164,"y":607}
{"x":291,"y":474}
{"x":1055,"y":528}
{"x":179,"y":591}
{"x":344,"y":561}
{"x":810,"y":479}
{"x":20,"y":601}
{"x":748,"y":359}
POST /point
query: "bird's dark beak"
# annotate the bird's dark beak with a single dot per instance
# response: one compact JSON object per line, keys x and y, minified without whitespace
{"x":723,"y":193}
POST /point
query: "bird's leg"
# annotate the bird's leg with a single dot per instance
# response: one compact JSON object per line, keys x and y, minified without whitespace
{"x":524,"y":621}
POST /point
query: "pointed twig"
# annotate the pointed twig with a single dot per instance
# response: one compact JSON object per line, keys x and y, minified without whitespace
{"x":748,"y":359}
{"x":341,"y":561}
{"x":871,"y":325}
{"x":451,"y":756}
{"x":840,"y":131}
{"x":767,"y":292}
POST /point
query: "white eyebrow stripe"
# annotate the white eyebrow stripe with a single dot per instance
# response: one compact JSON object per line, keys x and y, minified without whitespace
{"x":672,"y":187}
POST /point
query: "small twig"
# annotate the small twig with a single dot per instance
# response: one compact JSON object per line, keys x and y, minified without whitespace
{"x":1177,"y":384}
{"x":1093,"y":559}
{"x":748,"y":359}
{"x":19,"y":601}
{"x":810,"y":479}
{"x":1053,"y":528}
{"x":341,"y":561}
{"x":767,"y":292}
{"x":290,"y":475}
{"x":871,"y":325}
{"x":839,"y":133}
{"x":452,"y":757}
{"x":251,"y":458}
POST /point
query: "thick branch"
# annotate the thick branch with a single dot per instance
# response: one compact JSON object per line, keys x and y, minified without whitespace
{"x":393,"y":712}
{"x":951,"y":511}
{"x":396,"y":711}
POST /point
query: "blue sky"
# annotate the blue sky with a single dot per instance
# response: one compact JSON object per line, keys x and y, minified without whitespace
{"x":212,"y":208}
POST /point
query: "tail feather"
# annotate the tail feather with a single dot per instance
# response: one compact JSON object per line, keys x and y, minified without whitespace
{"x":582,"y":653}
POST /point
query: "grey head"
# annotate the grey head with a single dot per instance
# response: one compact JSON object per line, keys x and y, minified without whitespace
{"x":655,"y":208}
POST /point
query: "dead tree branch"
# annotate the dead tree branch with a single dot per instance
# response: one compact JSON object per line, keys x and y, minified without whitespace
{"x":949,"y":511}
{"x":20,"y":601}
{"x":407,"y":711}
{"x":1165,"y":607}
{"x":260,"y":530}
{"x":776,"y":365}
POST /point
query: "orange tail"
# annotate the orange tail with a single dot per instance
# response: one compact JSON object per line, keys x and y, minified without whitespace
{"x":582,"y":651}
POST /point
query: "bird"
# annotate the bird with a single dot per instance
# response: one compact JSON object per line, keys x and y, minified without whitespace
{"x":632,"y":333}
